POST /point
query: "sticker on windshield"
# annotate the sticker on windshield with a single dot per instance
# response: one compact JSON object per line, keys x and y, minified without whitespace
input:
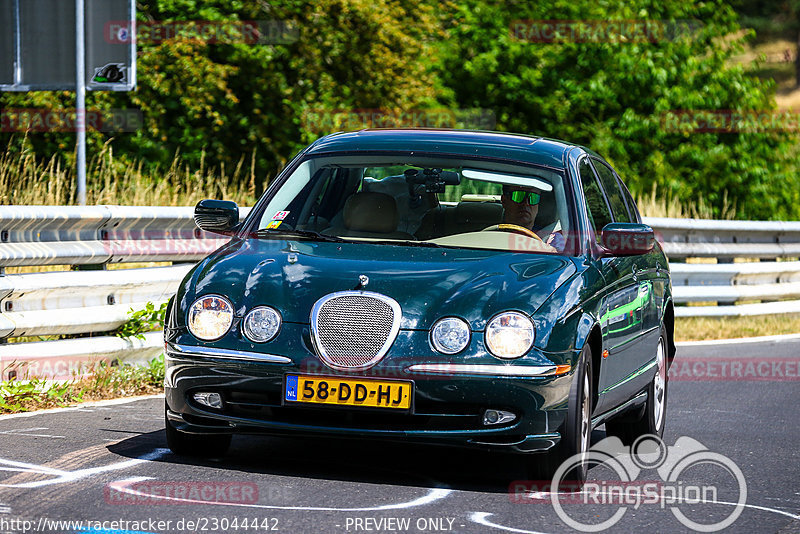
{"x":281,"y":215}
{"x":273,"y":224}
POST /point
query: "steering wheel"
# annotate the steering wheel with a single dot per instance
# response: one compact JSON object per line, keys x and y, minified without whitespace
{"x":505,"y":227}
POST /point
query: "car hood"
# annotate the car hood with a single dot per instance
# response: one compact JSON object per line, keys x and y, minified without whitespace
{"x":428,"y":283}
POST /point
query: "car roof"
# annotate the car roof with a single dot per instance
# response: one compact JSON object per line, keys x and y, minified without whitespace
{"x":497,"y":145}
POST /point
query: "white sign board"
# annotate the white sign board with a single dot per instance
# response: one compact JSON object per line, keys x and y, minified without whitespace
{"x":37,"y":45}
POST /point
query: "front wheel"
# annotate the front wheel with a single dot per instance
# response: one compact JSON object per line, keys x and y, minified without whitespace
{"x":652,"y":419}
{"x":202,"y":445}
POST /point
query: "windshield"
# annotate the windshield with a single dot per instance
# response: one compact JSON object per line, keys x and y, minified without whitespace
{"x":426,"y":201}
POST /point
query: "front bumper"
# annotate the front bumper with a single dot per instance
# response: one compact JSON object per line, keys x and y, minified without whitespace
{"x":447,"y":408}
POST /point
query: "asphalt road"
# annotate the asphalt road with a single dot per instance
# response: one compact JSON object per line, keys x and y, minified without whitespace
{"x":107,"y":466}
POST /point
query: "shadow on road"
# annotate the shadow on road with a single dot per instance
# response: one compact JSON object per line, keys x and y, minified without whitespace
{"x":373,"y":462}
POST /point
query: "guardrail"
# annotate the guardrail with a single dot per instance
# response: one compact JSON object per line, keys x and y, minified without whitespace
{"x":96,"y":297}
{"x":92,"y":298}
{"x":756,"y":270}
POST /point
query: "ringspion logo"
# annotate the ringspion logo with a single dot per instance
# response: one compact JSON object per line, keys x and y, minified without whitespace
{"x":688,"y":478}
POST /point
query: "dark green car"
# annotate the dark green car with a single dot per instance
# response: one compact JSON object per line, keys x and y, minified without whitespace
{"x":453,"y":287}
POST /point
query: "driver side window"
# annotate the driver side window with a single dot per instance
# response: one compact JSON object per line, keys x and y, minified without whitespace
{"x":596,"y":205}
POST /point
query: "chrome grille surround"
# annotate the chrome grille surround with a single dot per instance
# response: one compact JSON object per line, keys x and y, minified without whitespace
{"x":353,"y":330}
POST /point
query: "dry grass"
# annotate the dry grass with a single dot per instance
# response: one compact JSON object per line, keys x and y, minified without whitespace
{"x":778,"y":51}
{"x":788,"y":100}
{"x":657,"y":205}
{"x":775,"y":60}
{"x":700,"y":328}
{"x":26,"y":181}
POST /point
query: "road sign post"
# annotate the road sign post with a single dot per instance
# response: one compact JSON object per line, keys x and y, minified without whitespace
{"x":80,"y":101}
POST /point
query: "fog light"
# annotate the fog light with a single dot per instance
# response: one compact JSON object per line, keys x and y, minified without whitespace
{"x":497,"y":417}
{"x":212,"y":400}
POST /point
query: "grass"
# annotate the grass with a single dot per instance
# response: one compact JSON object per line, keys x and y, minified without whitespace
{"x":655,"y":205}
{"x":774,"y":60}
{"x":26,"y":181}
{"x":105,"y":382}
{"x":702,"y":328}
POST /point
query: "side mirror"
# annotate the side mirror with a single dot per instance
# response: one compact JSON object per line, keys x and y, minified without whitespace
{"x":627,"y":239}
{"x":220,"y":216}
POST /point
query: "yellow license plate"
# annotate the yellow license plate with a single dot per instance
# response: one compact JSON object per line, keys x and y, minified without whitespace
{"x":349,"y":392}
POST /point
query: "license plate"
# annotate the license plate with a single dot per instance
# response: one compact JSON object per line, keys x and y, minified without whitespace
{"x":348,"y":392}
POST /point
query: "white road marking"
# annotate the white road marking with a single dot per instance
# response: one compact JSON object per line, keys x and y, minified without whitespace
{"x":433,"y":495}
{"x":111,"y":402}
{"x":738,"y":340}
{"x":63,"y":477}
{"x":481,"y":517}
{"x":26,"y":432}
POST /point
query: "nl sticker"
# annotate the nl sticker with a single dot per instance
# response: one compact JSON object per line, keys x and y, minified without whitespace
{"x":281,"y":215}
{"x":273,"y":224}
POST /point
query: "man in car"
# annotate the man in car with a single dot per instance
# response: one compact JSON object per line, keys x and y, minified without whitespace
{"x":520,"y":207}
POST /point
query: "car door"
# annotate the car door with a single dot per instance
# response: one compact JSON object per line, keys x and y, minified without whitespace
{"x":651,"y":274}
{"x":622,"y":307}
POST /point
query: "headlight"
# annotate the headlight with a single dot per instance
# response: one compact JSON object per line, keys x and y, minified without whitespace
{"x":210,"y":317}
{"x":509,"y":335}
{"x":261,"y":324}
{"x":450,"y":335}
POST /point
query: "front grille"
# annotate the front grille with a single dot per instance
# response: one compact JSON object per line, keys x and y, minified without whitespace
{"x":354,"y":329}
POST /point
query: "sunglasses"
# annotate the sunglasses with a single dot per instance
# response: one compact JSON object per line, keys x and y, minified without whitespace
{"x":519,"y":197}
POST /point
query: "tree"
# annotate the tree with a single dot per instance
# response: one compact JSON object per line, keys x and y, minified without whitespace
{"x":615,"y":92}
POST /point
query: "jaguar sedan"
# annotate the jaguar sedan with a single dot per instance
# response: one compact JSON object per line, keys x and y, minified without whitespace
{"x":464,"y":288}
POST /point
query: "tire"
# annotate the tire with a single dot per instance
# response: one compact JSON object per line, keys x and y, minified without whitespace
{"x":198,"y":445}
{"x":652,"y":419}
{"x":576,"y":432}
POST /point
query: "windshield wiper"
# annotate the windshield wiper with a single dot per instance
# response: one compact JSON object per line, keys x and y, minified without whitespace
{"x":406,"y":243}
{"x":309,"y":234}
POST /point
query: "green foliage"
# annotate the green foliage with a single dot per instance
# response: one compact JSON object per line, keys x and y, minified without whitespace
{"x":17,"y":395}
{"x":770,"y":18}
{"x":122,"y":380}
{"x":104,"y":381}
{"x":613,"y":97}
{"x":140,"y":321}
